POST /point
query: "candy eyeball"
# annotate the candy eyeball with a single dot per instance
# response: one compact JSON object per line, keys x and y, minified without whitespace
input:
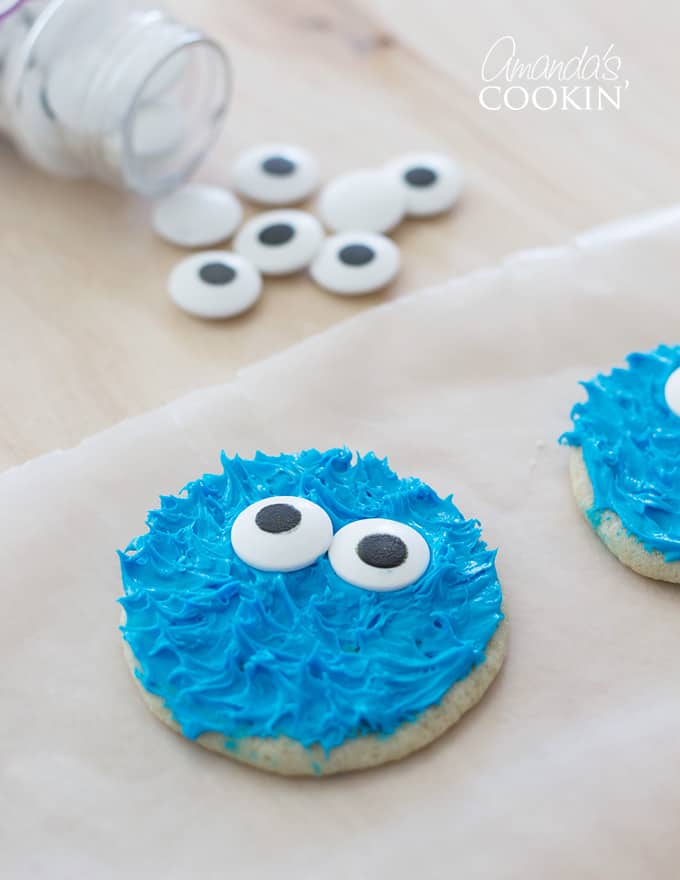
{"x":280,"y":242}
{"x":154,"y":130}
{"x":431,"y":182}
{"x":355,"y":263}
{"x":214,"y":284}
{"x":157,"y":128}
{"x":276,"y":174}
{"x":379,"y":554}
{"x":197,"y":215}
{"x":281,"y":533}
{"x":365,"y":199}
{"x":672,"y":392}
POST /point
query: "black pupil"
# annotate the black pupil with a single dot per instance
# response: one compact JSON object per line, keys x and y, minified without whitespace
{"x":382,"y":551}
{"x":217,"y":273}
{"x":277,"y":233}
{"x":420,"y":176}
{"x":278,"y":165}
{"x":276,"y":518}
{"x":356,"y":254}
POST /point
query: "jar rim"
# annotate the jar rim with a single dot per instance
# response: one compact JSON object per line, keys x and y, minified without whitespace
{"x":135,"y":173}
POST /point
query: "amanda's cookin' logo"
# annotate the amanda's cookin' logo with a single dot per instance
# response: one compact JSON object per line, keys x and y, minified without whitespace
{"x":588,"y":81}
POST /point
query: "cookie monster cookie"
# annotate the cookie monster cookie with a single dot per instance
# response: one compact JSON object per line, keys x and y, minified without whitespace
{"x":311,"y":613}
{"x":625,"y":461}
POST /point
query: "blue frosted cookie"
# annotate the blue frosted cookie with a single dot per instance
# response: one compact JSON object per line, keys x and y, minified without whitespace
{"x":311,"y":613}
{"x":625,"y":461}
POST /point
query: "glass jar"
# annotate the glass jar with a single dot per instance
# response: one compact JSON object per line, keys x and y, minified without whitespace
{"x":113,"y":89}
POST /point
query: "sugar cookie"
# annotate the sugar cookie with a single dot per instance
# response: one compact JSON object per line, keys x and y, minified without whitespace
{"x":625,"y":461}
{"x":311,"y":613}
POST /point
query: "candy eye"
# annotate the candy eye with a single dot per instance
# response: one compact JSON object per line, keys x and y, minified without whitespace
{"x":281,"y":533}
{"x":365,"y":199}
{"x":279,"y":242}
{"x":379,"y":554}
{"x":672,"y":392}
{"x":214,"y":284}
{"x":276,"y":174}
{"x":355,"y":263}
{"x":197,"y":215}
{"x":431,"y":182}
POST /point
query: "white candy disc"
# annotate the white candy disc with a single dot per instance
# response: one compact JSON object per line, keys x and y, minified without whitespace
{"x":432,"y":182}
{"x":672,"y":392}
{"x":41,"y":136}
{"x":276,"y":174}
{"x":379,"y":554}
{"x":197,"y":216}
{"x":67,"y":85}
{"x":279,"y":242}
{"x":281,"y":533}
{"x":157,"y":127}
{"x":214,"y":284}
{"x":370,"y":200}
{"x":353,"y":263}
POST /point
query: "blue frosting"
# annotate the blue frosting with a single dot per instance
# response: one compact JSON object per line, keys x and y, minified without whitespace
{"x":305,"y":654}
{"x":631,"y":447}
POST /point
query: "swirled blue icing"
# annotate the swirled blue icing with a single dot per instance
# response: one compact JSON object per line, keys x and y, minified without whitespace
{"x":631,"y":448}
{"x":305,"y":654}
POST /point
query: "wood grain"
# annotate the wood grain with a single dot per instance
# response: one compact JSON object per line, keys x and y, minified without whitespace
{"x":88,"y":334}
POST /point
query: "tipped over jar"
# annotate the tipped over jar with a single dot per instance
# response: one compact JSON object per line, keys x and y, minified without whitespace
{"x":112,"y":89}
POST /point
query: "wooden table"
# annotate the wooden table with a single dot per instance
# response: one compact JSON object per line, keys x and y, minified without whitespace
{"x":88,"y":334}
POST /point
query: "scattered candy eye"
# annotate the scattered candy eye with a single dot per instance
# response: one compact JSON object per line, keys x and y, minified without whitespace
{"x":214,"y":284}
{"x":281,"y":533}
{"x":672,"y":392}
{"x":359,"y":205}
{"x":379,"y":554}
{"x":432,"y":182}
{"x":370,"y":200}
{"x":276,"y":174}
{"x":354,"y":263}
{"x":197,"y":216}
{"x":280,"y":242}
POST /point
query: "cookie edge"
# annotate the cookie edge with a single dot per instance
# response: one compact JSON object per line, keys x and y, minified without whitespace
{"x":628,"y":549}
{"x":288,"y":757}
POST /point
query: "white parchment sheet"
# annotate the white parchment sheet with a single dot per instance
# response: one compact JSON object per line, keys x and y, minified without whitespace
{"x":569,"y":768}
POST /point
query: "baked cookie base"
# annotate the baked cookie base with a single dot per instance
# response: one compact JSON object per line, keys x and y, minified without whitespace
{"x":288,"y":757}
{"x":614,"y":535}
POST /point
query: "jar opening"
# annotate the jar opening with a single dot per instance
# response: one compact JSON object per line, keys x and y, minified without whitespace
{"x":115,"y":90}
{"x":174,"y":117}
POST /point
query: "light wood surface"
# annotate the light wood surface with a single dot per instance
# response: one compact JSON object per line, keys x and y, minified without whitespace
{"x":88,"y":334}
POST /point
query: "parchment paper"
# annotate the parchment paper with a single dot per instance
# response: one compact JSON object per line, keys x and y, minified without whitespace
{"x":569,"y":766}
